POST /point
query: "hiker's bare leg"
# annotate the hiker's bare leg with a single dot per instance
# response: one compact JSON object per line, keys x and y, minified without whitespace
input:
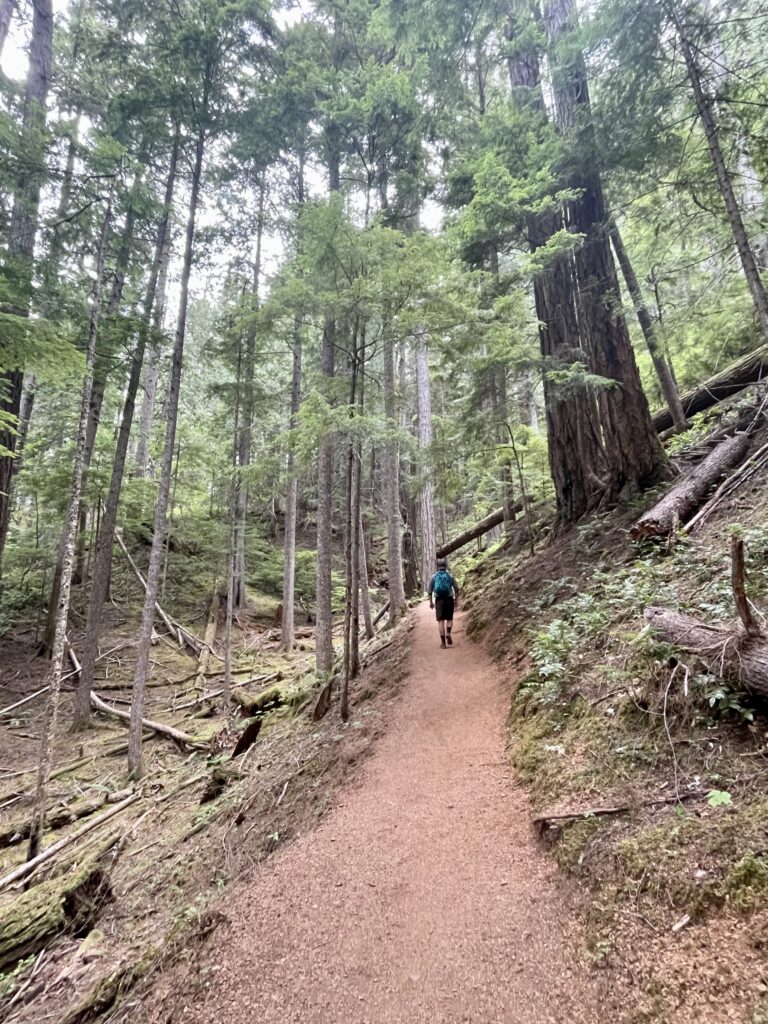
{"x":448,"y":628}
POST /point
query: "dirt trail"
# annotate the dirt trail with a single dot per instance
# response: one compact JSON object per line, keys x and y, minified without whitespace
{"x":423,"y":897}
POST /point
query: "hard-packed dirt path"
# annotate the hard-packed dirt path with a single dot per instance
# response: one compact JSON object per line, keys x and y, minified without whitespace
{"x":422,"y":897}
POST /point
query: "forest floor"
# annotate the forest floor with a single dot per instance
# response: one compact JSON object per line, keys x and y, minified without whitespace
{"x":422,"y":897}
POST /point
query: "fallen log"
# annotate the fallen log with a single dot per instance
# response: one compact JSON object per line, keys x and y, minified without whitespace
{"x":252,"y":704}
{"x":50,"y":851}
{"x":746,"y":471}
{"x":184,"y":637}
{"x":685,"y":496}
{"x":730,"y":653}
{"x":750,"y":369}
{"x":71,"y":903}
{"x":211,"y":626}
{"x":159,"y":727}
{"x":12,"y":832}
{"x":492,"y":520}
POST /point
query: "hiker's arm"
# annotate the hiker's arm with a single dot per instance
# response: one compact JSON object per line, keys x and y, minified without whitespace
{"x":455,"y":591}
{"x":430,"y":591}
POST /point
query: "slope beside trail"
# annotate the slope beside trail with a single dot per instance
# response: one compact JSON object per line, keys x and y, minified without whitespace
{"x":422,"y":897}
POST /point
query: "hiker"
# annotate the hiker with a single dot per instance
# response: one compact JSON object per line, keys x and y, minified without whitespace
{"x":445,"y":592}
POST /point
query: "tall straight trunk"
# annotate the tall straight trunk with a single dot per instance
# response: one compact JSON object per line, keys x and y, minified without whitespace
{"x":324,"y":589}
{"x":60,"y":639}
{"x":427,"y":496}
{"x":390,"y":458}
{"x":232,"y":551}
{"x":292,"y":489}
{"x":407,"y":479}
{"x":351,"y":548}
{"x":102,"y":564}
{"x":575,"y":446}
{"x":502,"y":437}
{"x":152,"y":366}
{"x":660,"y":364}
{"x":365,"y":595}
{"x":7,"y":10}
{"x":630,"y":445}
{"x":100,"y":373}
{"x":246,"y":413}
{"x":289,"y":547}
{"x":725,"y":185}
{"x":160,"y":524}
{"x":23,"y":229}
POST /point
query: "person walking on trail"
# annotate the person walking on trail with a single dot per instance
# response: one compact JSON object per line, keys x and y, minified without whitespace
{"x":443,"y":593}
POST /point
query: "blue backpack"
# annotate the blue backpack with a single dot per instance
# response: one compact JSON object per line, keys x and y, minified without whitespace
{"x":443,"y":584}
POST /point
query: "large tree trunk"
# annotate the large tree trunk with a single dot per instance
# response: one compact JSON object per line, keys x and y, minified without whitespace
{"x":247,"y":412}
{"x":23,"y":228}
{"x":660,"y":364}
{"x":100,"y":374}
{"x":60,"y":637}
{"x":633,"y":453}
{"x":428,"y":536}
{"x":160,"y":524}
{"x":289,"y":545}
{"x":750,"y":369}
{"x":102,"y":567}
{"x":7,"y":9}
{"x":324,"y":588}
{"x":492,"y":520}
{"x":686,"y":496}
{"x":391,"y":483}
{"x":365,"y":596}
{"x":704,"y":108}
{"x":152,"y":368}
{"x":731,"y":653}
{"x":577,"y":460}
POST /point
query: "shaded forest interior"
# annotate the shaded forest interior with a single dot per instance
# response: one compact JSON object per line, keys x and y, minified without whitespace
{"x":294,"y":301}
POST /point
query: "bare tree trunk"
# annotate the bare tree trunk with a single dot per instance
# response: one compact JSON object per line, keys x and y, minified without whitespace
{"x":365,"y":596}
{"x":232,"y":551}
{"x":7,"y":10}
{"x":324,"y":589}
{"x":152,"y":367}
{"x":351,"y":549}
{"x":663,"y":372}
{"x":428,"y":534}
{"x":247,"y":411}
{"x":289,"y":557}
{"x":391,"y":485}
{"x":103,"y":557}
{"x":633,"y":453}
{"x":704,"y":108}
{"x":60,"y":639}
{"x":19,"y":266}
{"x":158,"y":538}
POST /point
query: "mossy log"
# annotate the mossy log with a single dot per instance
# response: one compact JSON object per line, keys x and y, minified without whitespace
{"x":734,"y":378}
{"x":682,"y":500}
{"x":14,"y":831}
{"x":730,"y":653}
{"x":68,"y":903}
{"x":109,"y":989}
{"x":252,"y":704}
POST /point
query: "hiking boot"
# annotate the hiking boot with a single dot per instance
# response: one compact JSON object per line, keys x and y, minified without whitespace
{"x":442,"y":642}
{"x":449,"y":641}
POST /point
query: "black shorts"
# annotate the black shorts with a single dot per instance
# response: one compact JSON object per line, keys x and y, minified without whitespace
{"x":444,"y":609}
